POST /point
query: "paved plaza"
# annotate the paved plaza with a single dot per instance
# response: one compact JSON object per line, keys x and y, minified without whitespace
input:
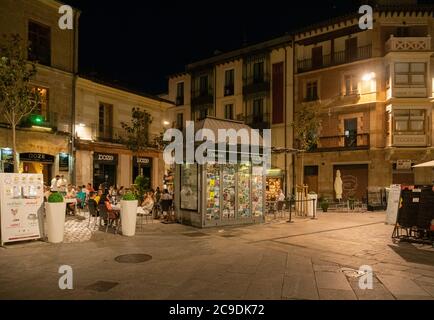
{"x":306,"y":259}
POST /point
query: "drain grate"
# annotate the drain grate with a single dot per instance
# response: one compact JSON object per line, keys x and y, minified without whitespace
{"x":195,"y":234}
{"x":133,"y":258}
{"x":102,"y":286}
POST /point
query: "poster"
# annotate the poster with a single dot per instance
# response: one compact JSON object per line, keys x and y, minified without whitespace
{"x":21,"y":200}
{"x":393,"y":203}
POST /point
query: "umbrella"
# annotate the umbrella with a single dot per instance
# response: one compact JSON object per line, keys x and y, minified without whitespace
{"x":425,"y":164}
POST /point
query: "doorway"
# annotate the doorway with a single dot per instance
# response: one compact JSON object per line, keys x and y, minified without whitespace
{"x":104,"y":174}
{"x":311,"y":178}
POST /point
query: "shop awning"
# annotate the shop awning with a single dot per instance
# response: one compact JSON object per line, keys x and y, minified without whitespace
{"x":425,"y":164}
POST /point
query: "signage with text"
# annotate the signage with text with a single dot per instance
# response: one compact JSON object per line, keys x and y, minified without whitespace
{"x":106,"y":158}
{"x":36,"y":157}
{"x":63,"y":162}
{"x":403,"y":165}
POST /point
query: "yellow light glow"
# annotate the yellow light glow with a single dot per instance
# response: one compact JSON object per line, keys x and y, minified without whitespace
{"x":368,"y":76}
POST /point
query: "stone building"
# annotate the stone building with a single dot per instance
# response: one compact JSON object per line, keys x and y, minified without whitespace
{"x":43,"y":140}
{"x":374,"y":90}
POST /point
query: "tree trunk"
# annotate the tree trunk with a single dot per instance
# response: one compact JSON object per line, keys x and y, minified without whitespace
{"x":302,"y":168}
{"x":14,"y":149}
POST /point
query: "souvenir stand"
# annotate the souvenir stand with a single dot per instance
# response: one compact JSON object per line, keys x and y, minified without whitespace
{"x":214,"y":194}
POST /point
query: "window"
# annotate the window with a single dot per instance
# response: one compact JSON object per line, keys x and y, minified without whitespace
{"x":229,"y":111}
{"x":202,"y":114}
{"x":258,"y":72}
{"x":317,"y":57}
{"x":105,"y":120}
{"x":312,"y":90}
{"x":229,"y":82}
{"x":180,"y":121}
{"x":413,"y":73}
{"x":350,"y":132}
{"x":203,"y":85}
{"x":40,"y":43}
{"x":409,"y":121}
{"x":180,"y":93}
{"x":350,"y":85}
{"x":42,"y":107}
{"x":258,"y":107}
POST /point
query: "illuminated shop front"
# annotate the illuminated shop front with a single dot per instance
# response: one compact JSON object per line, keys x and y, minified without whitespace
{"x":216,"y":194}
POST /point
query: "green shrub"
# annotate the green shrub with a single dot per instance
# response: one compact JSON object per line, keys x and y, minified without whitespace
{"x":55,"y":197}
{"x":129,"y":196}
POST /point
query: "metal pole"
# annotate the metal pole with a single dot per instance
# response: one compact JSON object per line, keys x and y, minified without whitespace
{"x":290,"y":212}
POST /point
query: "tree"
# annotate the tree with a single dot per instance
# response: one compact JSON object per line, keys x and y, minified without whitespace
{"x":138,"y":131}
{"x":306,"y":124}
{"x":18,"y":98}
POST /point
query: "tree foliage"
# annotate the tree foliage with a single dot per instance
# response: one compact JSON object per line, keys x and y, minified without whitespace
{"x":306,"y":124}
{"x":17,"y":98}
{"x":137,"y":131}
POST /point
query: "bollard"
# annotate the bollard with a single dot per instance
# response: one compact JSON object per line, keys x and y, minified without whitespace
{"x":290,"y":212}
{"x":314,"y":209}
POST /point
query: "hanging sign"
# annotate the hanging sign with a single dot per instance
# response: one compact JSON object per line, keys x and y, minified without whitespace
{"x":403,"y":165}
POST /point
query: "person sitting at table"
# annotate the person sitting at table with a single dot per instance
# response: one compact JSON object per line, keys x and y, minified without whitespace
{"x":97,"y":197}
{"x":70,"y":194}
{"x":89,"y":188}
{"x":148,"y":203}
{"x":113,"y":214}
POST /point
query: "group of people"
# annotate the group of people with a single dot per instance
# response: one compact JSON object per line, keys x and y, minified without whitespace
{"x":157,"y":203}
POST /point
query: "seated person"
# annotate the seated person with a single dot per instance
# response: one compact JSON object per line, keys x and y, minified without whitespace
{"x":70,"y":194}
{"x":113,"y":214}
{"x":147,"y":204}
{"x":97,"y":197}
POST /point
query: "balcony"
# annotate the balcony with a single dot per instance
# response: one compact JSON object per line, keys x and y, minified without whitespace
{"x":337,"y":58}
{"x":260,"y":121}
{"x":202,"y":96}
{"x":229,"y":90}
{"x":53,"y":121}
{"x":342,"y":142}
{"x":256,"y":84}
{"x":408,"y":44}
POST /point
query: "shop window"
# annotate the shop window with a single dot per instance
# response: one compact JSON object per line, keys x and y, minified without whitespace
{"x":213,"y":192}
{"x":229,"y":195}
{"x":409,"y":121}
{"x":409,"y":74}
{"x":244,"y":191}
{"x":189,"y":187}
{"x":39,"y":37}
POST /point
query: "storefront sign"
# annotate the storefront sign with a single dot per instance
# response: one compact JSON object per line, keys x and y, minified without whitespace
{"x":106,"y":158}
{"x":36,"y":157}
{"x":22,"y":198}
{"x":63,"y":162}
{"x":403,"y":165}
{"x":7,"y":155}
{"x":142,"y":161}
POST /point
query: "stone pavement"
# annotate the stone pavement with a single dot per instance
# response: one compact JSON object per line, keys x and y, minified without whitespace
{"x":307,"y":259}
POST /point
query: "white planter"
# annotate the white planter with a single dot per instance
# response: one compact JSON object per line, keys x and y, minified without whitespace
{"x":55,"y":221}
{"x":310,"y":207}
{"x":128,"y":217}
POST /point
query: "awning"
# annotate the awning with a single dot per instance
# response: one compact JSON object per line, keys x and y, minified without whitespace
{"x":425,"y":164}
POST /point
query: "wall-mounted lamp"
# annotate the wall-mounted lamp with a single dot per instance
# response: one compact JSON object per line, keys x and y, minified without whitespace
{"x":368,"y":76}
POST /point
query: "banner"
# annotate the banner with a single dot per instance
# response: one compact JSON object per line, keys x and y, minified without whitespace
{"x":21,"y":206}
{"x":393,"y":203}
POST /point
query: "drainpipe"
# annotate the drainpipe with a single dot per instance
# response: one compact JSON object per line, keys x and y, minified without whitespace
{"x":286,"y":121}
{"x":293,"y":110}
{"x":74,"y":85}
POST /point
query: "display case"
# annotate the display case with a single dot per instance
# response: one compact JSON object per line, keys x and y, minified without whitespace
{"x":228,"y":207}
{"x":244,"y":176}
{"x":189,"y":187}
{"x":213,"y":192}
{"x":257,"y":191}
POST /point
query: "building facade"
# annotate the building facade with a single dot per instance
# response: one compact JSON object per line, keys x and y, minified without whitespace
{"x":101,"y":154}
{"x":43,"y":138}
{"x":253,"y":85}
{"x":374,"y":91}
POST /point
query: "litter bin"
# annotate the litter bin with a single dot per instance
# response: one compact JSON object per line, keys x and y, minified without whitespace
{"x":311,"y":205}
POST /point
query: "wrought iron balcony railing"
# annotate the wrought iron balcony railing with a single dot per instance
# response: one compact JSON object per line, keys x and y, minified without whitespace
{"x":343,"y":142}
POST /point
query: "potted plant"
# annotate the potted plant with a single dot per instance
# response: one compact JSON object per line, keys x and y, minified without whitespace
{"x":129,"y":214}
{"x":351,"y":203}
{"x":55,"y":210}
{"x":324,"y":204}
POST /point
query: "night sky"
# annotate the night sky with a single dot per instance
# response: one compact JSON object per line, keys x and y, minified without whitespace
{"x":139,"y":43}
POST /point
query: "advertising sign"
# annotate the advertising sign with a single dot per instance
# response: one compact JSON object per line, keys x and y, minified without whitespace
{"x":393,"y":203}
{"x":21,"y":201}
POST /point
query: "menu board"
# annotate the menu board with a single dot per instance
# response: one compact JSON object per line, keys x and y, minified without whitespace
{"x":213,"y":192}
{"x":228,"y":182}
{"x":21,"y":198}
{"x":393,"y":203}
{"x":244,"y":191}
